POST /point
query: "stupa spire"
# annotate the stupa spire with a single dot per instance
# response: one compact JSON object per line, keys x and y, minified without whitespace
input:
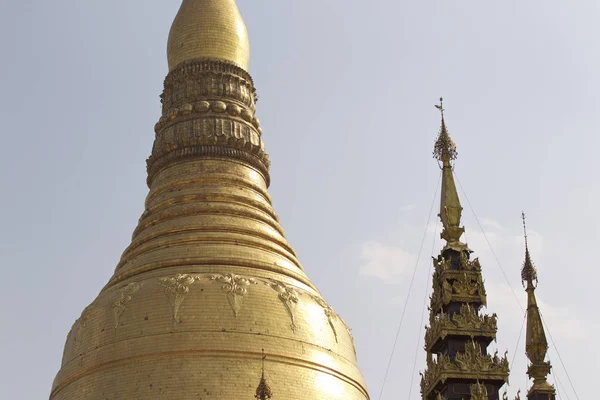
{"x":458,"y":364}
{"x":536,"y":344}
{"x":450,"y":207}
{"x":209,"y":276}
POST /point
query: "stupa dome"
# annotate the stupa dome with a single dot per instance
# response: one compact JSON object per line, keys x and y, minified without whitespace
{"x":208,"y":29}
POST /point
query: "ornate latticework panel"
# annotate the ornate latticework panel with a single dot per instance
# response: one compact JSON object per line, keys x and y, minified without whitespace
{"x":459,"y":283}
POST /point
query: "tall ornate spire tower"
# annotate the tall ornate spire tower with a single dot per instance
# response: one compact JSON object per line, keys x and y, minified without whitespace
{"x":209,"y":279}
{"x":536,"y":345}
{"x":456,"y":341}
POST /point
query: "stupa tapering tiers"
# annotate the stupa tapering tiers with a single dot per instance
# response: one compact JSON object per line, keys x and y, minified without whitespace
{"x":209,"y":279}
{"x":456,"y":340}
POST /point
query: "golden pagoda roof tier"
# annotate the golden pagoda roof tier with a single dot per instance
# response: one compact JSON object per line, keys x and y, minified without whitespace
{"x":467,"y":322}
{"x":471,"y":365}
{"x":457,"y":286}
{"x":209,"y":29}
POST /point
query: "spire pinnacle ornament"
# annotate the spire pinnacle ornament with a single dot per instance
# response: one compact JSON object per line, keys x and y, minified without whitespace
{"x":263,"y":391}
{"x":450,"y":208}
{"x":528,"y":272}
{"x":445,"y":149}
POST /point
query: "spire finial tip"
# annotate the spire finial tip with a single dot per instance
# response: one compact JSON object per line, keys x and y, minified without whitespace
{"x":524,"y":228}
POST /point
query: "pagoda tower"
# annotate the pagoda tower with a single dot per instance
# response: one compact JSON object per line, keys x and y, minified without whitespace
{"x":536,"y":345}
{"x":209,"y":279}
{"x":456,"y":340}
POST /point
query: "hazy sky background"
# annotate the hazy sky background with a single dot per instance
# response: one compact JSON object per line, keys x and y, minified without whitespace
{"x":346,"y":91}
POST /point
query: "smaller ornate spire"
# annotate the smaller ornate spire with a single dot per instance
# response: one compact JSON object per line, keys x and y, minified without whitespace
{"x":263,"y":391}
{"x":536,"y":345}
{"x":528,"y":272}
{"x":444,"y":149}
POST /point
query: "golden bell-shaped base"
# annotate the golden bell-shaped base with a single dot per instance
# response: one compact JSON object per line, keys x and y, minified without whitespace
{"x":208,"y":281}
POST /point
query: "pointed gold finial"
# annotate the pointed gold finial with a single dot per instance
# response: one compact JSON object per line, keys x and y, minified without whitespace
{"x":441,"y":106}
{"x":536,"y":345}
{"x":528,"y":272}
{"x":445,"y":149}
{"x":263,"y":391}
{"x":450,"y":208}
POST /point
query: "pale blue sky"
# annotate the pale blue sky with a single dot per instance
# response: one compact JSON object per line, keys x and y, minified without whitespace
{"x":346,"y":102}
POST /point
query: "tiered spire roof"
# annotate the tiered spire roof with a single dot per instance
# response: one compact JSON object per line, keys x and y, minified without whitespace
{"x":456,"y":341}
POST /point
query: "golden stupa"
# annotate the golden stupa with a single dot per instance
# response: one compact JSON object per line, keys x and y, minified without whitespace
{"x":209,"y":279}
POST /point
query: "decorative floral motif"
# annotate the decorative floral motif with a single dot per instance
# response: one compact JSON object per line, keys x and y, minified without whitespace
{"x":235,"y":287}
{"x":289,"y":298}
{"x":176,"y":288}
{"x":444,"y":145}
{"x":82,"y":324}
{"x":457,"y":286}
{"x":124,"y":296}
{"x":330,"y":314}
{"x":467,"y":322}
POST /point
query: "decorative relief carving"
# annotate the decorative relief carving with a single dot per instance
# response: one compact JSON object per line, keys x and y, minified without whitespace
{"x":442,"y":264}
{"x":82,"y":324}
{"x":330,"y":314}
{"x":203,"y":130}
{"x":208,"y":103}
{"x":176,"y":288}
{"x":467,"y":286}
{"x":124,"y":296}
{"x":236,"y":288}
{"x":472,"y":364}
{"x":68,"y":347}
{"x":457,"y":286}
{"x":467,"y":322}
{"x":289,"y":298}
{"x":351,"y":336}
{"x":196,"y":80}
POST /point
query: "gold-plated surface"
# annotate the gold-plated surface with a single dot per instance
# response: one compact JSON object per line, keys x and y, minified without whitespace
{"x":209,"y":279}
{"x":536,"y":344}
{"x":458,"y":334}
{"x":208,"y":29}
